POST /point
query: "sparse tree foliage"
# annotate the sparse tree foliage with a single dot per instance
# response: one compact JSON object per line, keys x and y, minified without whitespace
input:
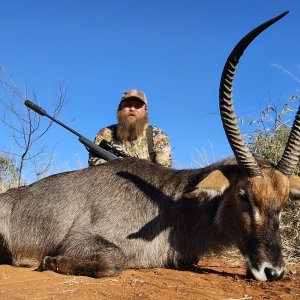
{"x":26,"y":151}
{"x":271,"y":130}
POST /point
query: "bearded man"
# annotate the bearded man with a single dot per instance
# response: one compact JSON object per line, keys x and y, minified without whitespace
{"x":133,"y":134}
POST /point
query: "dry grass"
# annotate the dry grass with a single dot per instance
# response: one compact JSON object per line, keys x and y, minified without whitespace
{"x":290,"y":231}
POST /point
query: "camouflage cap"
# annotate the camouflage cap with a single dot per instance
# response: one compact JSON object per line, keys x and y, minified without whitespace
{"x":136,"y":94}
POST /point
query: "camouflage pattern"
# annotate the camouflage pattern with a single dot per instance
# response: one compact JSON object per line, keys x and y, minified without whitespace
{"x":137,"y":148}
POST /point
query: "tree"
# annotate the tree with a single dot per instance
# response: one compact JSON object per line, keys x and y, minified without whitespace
{"x":25,"y":129}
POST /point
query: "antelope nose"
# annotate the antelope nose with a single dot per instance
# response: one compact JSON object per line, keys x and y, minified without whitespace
{"x":272,"y":275}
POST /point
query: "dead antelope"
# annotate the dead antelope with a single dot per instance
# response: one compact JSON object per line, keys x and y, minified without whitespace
{"x":130,"y":213}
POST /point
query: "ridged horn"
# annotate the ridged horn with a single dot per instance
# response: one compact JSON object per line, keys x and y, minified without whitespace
{"x":291,"y":154}
{"x":235,"y":139}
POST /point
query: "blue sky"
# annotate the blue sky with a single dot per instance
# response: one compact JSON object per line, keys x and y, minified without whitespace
{"x":173,"y":50}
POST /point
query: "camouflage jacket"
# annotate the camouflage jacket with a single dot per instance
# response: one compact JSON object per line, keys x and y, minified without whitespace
{"x":137,"y":148}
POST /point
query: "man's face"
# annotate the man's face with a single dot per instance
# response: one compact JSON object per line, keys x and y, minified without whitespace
{"x":133,"y":109}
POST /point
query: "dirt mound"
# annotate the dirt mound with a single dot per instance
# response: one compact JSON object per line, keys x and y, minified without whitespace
{"x":215,"y":278}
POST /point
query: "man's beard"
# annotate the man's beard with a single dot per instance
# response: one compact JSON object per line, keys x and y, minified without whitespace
{"x":130,"y":131}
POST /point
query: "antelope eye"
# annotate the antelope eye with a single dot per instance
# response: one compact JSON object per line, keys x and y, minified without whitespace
{"x":243,"y":195}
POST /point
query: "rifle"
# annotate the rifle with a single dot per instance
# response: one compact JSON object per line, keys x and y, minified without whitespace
{"x":105,"y":150}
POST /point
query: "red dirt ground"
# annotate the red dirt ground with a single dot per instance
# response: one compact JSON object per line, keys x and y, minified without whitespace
{"x":215,"y":278}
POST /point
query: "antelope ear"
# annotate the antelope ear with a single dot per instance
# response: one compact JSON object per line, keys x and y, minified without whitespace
{"x":214,"y":184}
{"x":294,"y":188}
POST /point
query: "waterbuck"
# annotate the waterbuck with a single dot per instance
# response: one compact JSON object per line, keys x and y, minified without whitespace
{"x":130,"y":213}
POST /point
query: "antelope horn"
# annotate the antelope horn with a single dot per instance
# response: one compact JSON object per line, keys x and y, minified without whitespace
{"x":291,"y":154}
{"x":235,"y":139}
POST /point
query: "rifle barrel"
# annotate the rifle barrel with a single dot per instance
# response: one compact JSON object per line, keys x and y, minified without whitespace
{"x":42,"y":112}
{"x":90,"y":145}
